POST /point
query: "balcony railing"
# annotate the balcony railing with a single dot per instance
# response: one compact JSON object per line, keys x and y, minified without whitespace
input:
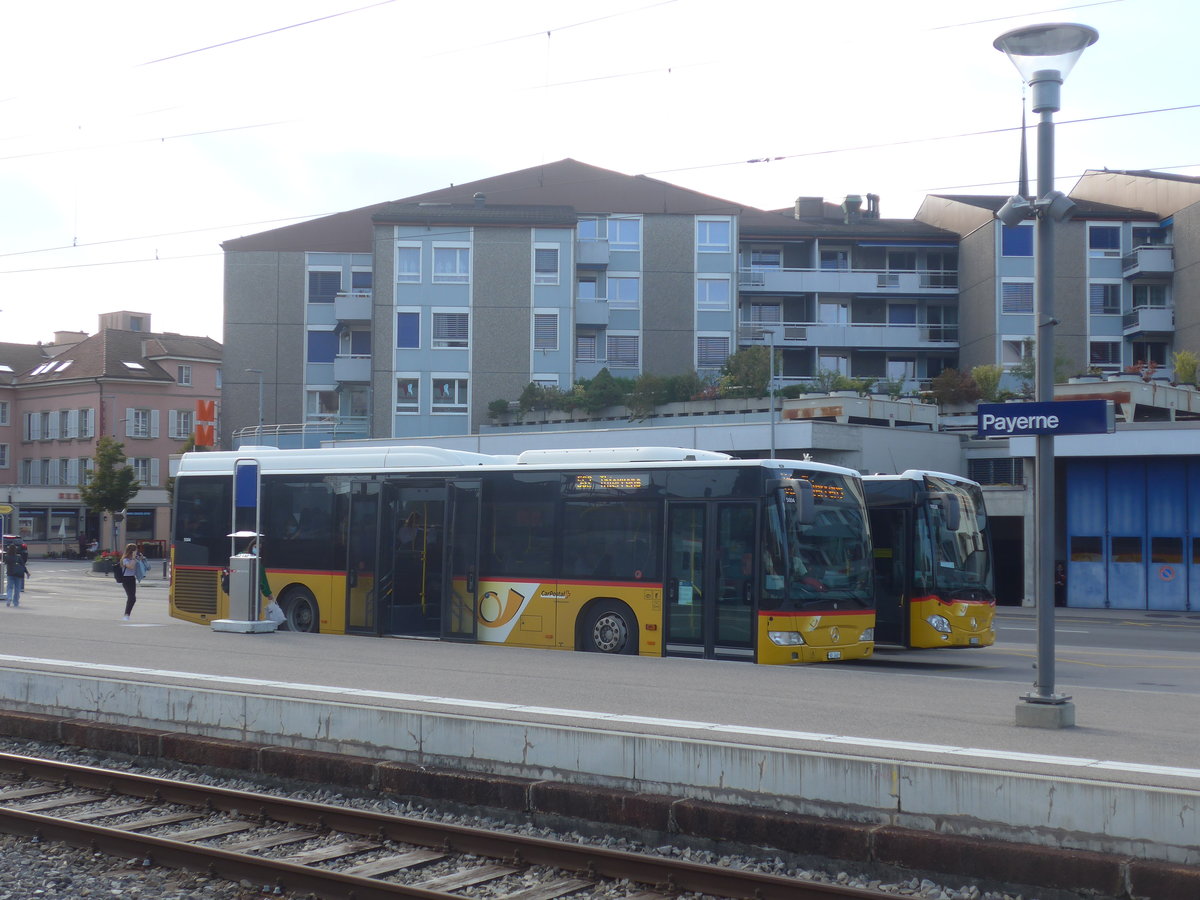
{"x":1144,"y":319}
{"x":303,"y":435}
{"x":353,"y":306}
{"x":352,"y":368}
{"x":846,"y":281}
{"x":1150,"y":261}
{"x":821,"y":334}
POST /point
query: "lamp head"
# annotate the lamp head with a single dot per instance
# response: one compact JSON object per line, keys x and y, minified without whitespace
{"x":1057,"y":206}
{"x":1015,"y":210}
{"x":1044,"y":55}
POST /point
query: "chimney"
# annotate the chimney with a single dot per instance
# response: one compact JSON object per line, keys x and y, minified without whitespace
{"x":851,"y":207}
{"x":809,"y":207}
{"x":872,"y":206}
{"x":480,"y":199}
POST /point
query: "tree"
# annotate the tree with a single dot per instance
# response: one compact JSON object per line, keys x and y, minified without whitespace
{"x":988,"y":379}
{"x":747,"y":373}
{"x":954,"y":387}
{"x":112,"y":484}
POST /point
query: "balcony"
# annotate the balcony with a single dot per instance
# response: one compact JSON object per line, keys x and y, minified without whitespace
{"x":591,"y":312}
{"x":867,"y":337}
{"x":353,"y":306}
{"x":351,"y":368}
{"x":303,"y":435}
{"x":591,"y":254}
{"x":1149,"y":320}
{"x":847,"y":281}
{"x":1151,"y":261}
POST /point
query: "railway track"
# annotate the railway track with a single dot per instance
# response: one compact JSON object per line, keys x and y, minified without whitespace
{"x":328,"y":851}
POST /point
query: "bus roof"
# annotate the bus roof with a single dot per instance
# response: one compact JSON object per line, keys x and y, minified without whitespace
{"x":406,"y":456}
{"x":920,"y":475}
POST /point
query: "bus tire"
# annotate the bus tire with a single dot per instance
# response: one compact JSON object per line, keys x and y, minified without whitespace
{"x":610,"y":628}
{"x":300,"y":608}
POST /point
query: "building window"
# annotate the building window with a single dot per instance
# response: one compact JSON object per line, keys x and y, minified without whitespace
{"x":138,"y":423}
{"x":711,"y":351}
{"x":87,"y":423}
{"x":1016,"y":240}
{"x":184,"y":375}
{"x":766,"y":257}
{"x":1152,"y":236}
{"x":586,"y":287}
{"x":451,"y":330}
{"x":902,"y":314}
{"x":624,"y":291}
{"x":1146,"y":352}
{"x":408,"y":393}
{"x":1104,"y":299}
{"x":1104,"y":240}
{"x":362,"y":280}
{"x":66,"y":424}
{"x":323,"y":285}
{"x":835,"y":260}
{"x":591,"y":228}
{"x":137,"y":323}
{"x":180,"y":424}
{"x":833,"y":313}
{"x":585,"y":347}
{"x":321,"y":406}
{"x":3,"y":412}
{"x":1016,"y":298}
{"x":322,"y":346}
{"x":901,"y":261}
{"x":838,"y":364}
{"x":1106,"y":354}
{"x":713,"y":235}
{"x":1145,"y":295}
{"x":545,"y":331}
{"x":1002,"y":470}
{"x":64,"y":471}
{"x":1013,"y":352}
{"x":712,"y":293}
{"x":623,"y":351}
{"x":545,"y":265}
{"x":624,"y":233}
{"x":408,"y":263}
{"x":408,"y":330}
{"x":141,"y":469}
{"x":449,"y":394}
{"x":766,"y":313}
{"x":451,"y":265}
{"x":48,"y":426}
{"x":901,"y":368}
{"x":3,"y":456}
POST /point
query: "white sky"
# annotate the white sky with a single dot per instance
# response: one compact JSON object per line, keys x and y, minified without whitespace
{"x":136,"y":135}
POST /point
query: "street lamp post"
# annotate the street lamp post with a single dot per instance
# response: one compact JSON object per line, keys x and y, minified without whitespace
{"x":1044,"y":54}
{"x":259,"y":373}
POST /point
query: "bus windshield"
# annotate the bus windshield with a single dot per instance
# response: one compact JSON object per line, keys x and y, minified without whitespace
{"x":822,"y":563}
{"x":962,"y":563}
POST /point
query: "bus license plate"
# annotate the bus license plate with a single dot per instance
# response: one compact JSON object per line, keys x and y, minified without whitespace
{"x":835,"y":654}
{"x":974,"y":642}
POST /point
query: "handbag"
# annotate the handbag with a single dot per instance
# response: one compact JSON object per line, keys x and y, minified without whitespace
{"x":141,"y":568}
{"x":118,"y":572}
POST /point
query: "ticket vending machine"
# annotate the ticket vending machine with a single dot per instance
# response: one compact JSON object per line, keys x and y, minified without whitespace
{"x":245,"y":614}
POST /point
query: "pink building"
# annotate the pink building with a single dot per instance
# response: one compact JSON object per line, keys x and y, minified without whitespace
{"x":57,"y":399}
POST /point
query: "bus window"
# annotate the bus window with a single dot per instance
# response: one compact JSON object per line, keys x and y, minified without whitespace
{"x":611,"y":539}
{"x":298,"y":524}
{"x":518,"y":539}
{"x":200,"y":539}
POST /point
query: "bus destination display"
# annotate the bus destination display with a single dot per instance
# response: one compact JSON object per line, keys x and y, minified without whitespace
{"x":608,"y":482}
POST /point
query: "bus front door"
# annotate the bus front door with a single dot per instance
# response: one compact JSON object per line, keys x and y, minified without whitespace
{"x":462,"y":560}
{"x":710,"y":580}
{"x":362,"y":541}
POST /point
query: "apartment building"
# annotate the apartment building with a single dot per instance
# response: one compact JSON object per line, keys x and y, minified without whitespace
{"x":58,"y":399}
{"x":408,"y":318}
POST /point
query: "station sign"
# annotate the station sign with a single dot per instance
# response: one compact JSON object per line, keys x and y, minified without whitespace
{"x":1054,"y":417}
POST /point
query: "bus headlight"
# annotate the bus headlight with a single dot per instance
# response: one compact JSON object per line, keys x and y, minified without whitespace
{"x":785,"y":638}
{"x":939,"y":623}
{"x":868,"y":634}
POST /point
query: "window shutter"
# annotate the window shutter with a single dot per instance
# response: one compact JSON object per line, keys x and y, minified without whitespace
{"x":154,"y":416}
{"x":72,"y":471}
{"x":545,"y":331}
{"x":129,"y":422}
{"x":173,"y":423}
{"x":154,"y":471}
{"x":711,"y":352}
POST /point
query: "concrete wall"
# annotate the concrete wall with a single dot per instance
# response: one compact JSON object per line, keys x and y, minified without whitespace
{"x":947,"y":798}
{"x":668,"y":294}
{"x":501,"y":316}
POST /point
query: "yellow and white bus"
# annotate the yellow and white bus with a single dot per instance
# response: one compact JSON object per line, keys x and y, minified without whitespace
{"x":933,"y":560}
{"x":645,"y":550}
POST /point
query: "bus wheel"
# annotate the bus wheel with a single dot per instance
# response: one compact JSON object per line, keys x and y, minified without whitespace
{"x":607,"y":630}
{"x":300,"y":607}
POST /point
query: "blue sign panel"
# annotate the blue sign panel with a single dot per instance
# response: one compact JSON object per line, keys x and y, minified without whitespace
{"x":245,"y":484}
{"x":1055,"y":417}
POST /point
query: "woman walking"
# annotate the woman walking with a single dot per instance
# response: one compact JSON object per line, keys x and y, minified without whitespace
{"x":16,"y":570}
{"x":129,"y":579}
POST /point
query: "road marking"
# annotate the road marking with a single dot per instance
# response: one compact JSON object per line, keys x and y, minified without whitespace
{"x":681,"y":724}
{"x":1056,"y":630}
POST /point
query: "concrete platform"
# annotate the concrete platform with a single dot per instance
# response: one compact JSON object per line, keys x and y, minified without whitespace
{"x":867,"y":746}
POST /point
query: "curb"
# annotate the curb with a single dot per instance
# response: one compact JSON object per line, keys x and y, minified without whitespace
{"x":1073,"y":872}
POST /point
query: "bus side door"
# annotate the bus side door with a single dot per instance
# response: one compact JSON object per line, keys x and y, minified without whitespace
{"x":463,"y":507}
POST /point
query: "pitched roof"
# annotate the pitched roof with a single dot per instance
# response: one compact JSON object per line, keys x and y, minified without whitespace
{"x":110,"y":353}
{"x":567,"y":183}
{"x":782,"y":223}
{"x":1084,"y":208}
{"x":433,"y":212}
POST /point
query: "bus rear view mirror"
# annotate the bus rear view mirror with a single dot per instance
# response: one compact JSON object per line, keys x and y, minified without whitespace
{"x":799,"y":490}
{"x":951,"y":509}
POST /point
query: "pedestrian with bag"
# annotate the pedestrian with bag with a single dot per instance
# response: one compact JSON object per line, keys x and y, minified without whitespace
{"x":127,"y":573}
{"x":17,"y":571}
